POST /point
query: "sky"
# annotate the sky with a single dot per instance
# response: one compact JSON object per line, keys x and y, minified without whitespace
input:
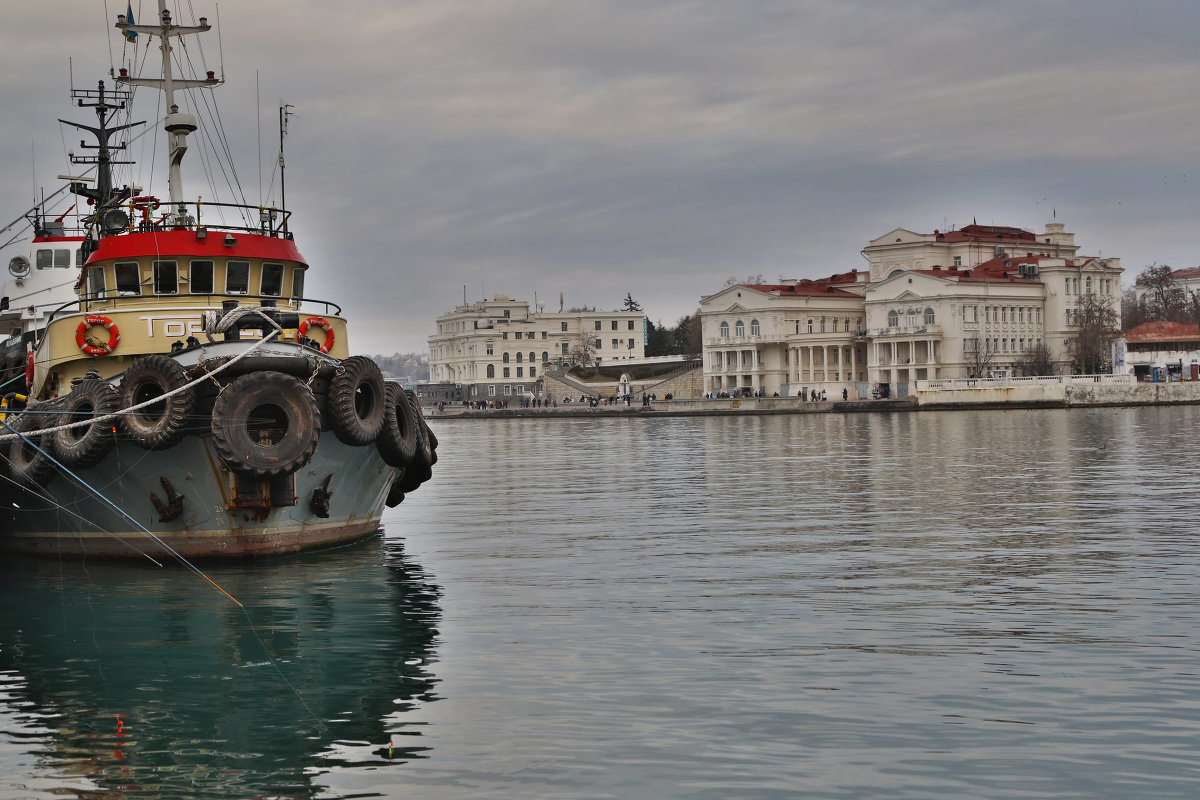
{"x":443,"y":149}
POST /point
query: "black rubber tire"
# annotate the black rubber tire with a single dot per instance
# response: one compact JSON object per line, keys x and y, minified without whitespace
{"x":395,"y":494}
{"x":421,"y":468}
{"x":26,"y":465}
{"x":433,"y":442}
{"x":87,"y":445}
{"x":265,"y":404}
{"x":162,"y":425}
{"x":356,"y":401}
{"x":397,"y":439}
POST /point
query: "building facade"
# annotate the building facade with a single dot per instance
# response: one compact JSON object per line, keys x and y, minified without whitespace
{"x":939,"y":305}
{"x":499,"y":348}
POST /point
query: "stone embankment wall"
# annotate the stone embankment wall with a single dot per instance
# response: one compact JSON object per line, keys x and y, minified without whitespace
{"x":1064,"y":395}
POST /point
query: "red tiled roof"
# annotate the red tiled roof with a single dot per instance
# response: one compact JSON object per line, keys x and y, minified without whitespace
{"x":1163,"y":332}
{"x":1187,"y":272}
{"x":821,"y":288}
{"x":988,"y":233}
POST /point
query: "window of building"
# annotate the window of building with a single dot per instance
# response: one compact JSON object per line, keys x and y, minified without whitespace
{"x":754,"y":328}
{"x":564,"y":348}
{"x":506,"y":374}
{"x":503,"y":334}
{"x":616,"y":343}
{"x":847,"y":323}
{"x":835,"y":321}
{"x":506,"y":313}
{"x":166,"y":277}
{"x":1021,"y":314}
{"x":614,"y":324}
{"x":520,"y":358}
{"x":543,"y":334}
{"x":519,"y":372}
{"x":912,"y":318}
{"x":929,"y":316}
{"x":237,"y":277}
{"x":597,"y":324}
{"x":822,"y":324}
{"x":492,"y":390}
{"x":630,"y":324}
{"x":598,"y":344}
{"x":739,"y":328}
{"x":564,"y":327}
{"x":893,"y":319}
{"x":1087,"y":285}
{"x":504,"y":358}
{"x":491,"y":370}
{"x":271,"y":284}
{"x":129,"y":282}
{"x":516,"y":334}
{"x":200,"y":277}
{"x":958,"y":261}
{"x":724,"y":330}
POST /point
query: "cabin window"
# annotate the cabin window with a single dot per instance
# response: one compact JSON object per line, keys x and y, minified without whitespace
{"x":166,"y":277}
{"x":297,"y":283}
{"x":272,"y":280}
{"x":129,"y":279}
{"x":96,"y":281}
{"x":237,"y":277}
{"x":200,"y":277}
{"x":48,"y":259}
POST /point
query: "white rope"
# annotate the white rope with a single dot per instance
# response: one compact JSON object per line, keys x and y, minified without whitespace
{"x":10,"y":436}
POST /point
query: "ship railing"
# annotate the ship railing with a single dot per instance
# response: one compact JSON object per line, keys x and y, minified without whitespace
{"x":213,"y":300}
{"x":271,"y":221}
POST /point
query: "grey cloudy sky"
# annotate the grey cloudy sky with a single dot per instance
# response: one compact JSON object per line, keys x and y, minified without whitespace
{"x":599,"y":147}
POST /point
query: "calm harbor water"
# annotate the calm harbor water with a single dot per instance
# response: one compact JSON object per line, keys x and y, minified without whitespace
{"x":925,"y":605}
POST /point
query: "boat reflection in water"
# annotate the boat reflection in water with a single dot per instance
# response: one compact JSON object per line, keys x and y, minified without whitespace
{"x":147,"y":682}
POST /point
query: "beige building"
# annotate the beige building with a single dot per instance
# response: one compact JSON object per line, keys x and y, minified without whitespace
{"x":928,"y":306}
{"x":499,"y":348}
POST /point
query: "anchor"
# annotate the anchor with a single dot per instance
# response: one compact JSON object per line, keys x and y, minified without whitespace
{"x":170,"y":510}
{"x":320,"y":498}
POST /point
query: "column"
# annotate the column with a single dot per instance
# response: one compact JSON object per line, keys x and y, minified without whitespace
{"x":840,"y":365}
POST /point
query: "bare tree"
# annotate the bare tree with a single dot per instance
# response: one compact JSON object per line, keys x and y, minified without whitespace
{"x":749,"y":280}
{"x":583,"y":351}
{"x":1037,"y":360}
{"x":1097,"y":324}
{"x":1164,"y":299}
{"x":978,"y":357}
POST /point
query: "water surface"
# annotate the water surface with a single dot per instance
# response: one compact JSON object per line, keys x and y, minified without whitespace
{"x":941,"y":604}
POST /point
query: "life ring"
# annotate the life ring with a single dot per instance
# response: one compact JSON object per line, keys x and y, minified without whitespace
{"x":114,"y":336}
{"x":323,"y":324}
{"x":356,"y":401}
{"x":29,"y":370}
{"x":265,"y":425}
{"x":86,"y":445}
{"x":161,"y":425}
{"x":397,"y":439}
{"x":29,"y":466}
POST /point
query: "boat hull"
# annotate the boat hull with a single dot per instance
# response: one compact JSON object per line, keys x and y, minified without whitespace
{"x":218,"y":519}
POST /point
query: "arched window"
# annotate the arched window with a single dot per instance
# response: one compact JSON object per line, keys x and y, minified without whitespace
{"x":893,"y":319}
{"x":532,"y":356}
{"x":739,"y":328}
{"x":724,"y":330}
{"x":504,"y":358}
{"x":545,"y":356}
{"x":520,"y":357}
{"x":754,"y":329}
{"x":929,"y":316}
{"x":491,"y":370}
{"x":912,"y":318}
{"x":810,"y":326}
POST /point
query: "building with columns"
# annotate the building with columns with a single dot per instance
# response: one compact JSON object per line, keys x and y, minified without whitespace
{"x":498,"y":348}
{"x":927,"y":306}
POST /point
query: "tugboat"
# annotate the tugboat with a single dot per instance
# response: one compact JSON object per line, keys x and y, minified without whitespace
{"x":185,"y":402}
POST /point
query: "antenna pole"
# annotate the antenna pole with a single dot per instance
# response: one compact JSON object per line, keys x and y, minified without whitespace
{"x":283,"y":115}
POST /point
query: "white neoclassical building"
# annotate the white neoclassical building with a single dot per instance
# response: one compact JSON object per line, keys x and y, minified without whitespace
{"x":498,"y":348}
{"x":927,"y":306}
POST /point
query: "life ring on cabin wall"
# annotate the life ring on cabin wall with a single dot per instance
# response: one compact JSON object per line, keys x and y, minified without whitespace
{"x":323,"y":324}
{"x":114,"y":336}
{"x":29,"y":370}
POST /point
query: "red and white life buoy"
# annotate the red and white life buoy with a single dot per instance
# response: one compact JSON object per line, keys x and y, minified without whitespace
{"x":114,"y":336}
{"x":323,"y":324}
{"x":29,"y":370}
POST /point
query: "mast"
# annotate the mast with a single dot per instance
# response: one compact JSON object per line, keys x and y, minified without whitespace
{"x":106,"y":104}
{"x":177,"y":124}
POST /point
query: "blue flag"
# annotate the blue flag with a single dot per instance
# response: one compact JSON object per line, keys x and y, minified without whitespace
{"x":130,"y":35}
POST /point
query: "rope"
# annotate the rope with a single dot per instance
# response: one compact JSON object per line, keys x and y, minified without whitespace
{"x":10,"y":436}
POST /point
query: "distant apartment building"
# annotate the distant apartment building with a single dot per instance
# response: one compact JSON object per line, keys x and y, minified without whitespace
{"x":928,"y":305}
{"x":499,"y":348}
